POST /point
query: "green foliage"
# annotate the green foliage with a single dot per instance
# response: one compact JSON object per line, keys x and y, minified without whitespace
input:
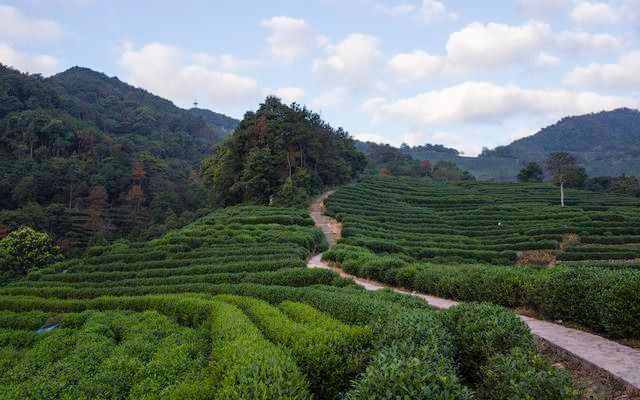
{"x":282,"y":153}
{"x":435,"y":238}
{"x":414,"y":360}
{"x":62,"y":136}
{"x":109,"y":355}
{"x":248,"y":366}
{"x":564,"y":169}
{"x":532,"y":172}
{"x":326,"y":350}
{"x":480,"y":331}
{"x":523,"y":374}
{"x":26,"y":249}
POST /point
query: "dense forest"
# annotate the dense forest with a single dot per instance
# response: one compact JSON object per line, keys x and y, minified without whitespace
{"x":86,"y":157}
{"x":281,"y":155}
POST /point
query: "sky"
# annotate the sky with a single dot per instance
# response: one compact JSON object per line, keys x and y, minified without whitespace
{"x":466,"y":74}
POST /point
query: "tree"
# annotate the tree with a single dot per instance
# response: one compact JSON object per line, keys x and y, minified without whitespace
{"x":564,"y":170}
{"x":425,"y":167}
{"x":277,"y":152}
{"x":26,"y":249}
{"x":97,"y":205}
{"x":532,"y":172}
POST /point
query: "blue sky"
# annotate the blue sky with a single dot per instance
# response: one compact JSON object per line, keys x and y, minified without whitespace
{"x":467,"y":74}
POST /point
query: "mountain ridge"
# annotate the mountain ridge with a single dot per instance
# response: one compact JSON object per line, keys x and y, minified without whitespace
{"x":80,"y":142}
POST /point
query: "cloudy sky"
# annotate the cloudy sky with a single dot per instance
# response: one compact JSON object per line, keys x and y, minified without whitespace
{"x":462,"y":73}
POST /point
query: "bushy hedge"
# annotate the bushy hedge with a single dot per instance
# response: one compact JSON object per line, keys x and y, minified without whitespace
{"x":112,"y":355}
{"x":480,"y":331}
{"x":328,"y":356}
{"x":478,"y":222}
{"x":522,"y":374}
{"x":414,"y":361}
{"x":248,"y":366}
{"x":604,"y":300}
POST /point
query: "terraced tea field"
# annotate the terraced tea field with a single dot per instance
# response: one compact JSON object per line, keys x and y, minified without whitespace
{"x":224,"y":308}
{"x":461,"y":241}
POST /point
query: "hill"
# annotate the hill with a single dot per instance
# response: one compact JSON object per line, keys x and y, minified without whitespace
{"x":224,"y":308}
{"x":485,"y":241}
{"x":606,"y":143}
{"x":281,"y":154}
{"x":83,"y":155}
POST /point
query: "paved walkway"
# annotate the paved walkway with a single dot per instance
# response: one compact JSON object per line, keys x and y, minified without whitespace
{"x":619,"y":361}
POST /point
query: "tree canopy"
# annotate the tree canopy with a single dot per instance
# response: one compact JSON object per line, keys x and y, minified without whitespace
{"x":25,"y":249}
{"x":280,"y":153}
{"x":532,"y":172}
{"x":564,"y":170}
{"x":84,"y":156}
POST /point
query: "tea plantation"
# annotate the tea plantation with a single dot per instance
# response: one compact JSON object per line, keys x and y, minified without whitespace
{"x":224,"y":308}
{"x":468,"y":241}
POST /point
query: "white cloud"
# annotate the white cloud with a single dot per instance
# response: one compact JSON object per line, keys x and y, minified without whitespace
{"x":434,"y":10}
{"x":15,"y":25}
{"x":170,"y":72}
{"x":32,"y":63}
{"x":288,"y":94}
{"x":497,"y":46}
{"x":573,"y":41}
{"x":592,"y":13}
{"x":493,"y":44}
{"x":547,"y":60}
{"x":290,"y":38}
{"x":417,"y":65}
{"x":622,"y":75}
{"x":350,"y":62}
{"x":480,"y":102}
{"x":370,"y":137}
{"x":330,"y":99}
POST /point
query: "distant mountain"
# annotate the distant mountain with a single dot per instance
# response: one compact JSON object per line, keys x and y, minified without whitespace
{"x":81,"y":145}
{"x":605,"y":143}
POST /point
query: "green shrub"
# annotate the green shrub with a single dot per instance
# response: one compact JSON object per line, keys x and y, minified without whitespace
{"x":330,"y":357}
{"x":523,"y":374}
{"x":246,"y":365}
{"x":480,"y":331}
{"x":26,"y":249}
{"x":414,"y":360}
{"x":398,"y":373}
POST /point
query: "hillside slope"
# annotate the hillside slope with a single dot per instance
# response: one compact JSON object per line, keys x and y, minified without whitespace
{"x":83,"y":155}
{"x":606,"y":143}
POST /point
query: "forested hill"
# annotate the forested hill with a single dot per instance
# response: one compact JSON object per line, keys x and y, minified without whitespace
{"x":85,"y":156}
{"x":606,"y":143}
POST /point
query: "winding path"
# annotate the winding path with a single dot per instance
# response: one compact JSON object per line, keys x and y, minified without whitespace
{"x":620,"y":362}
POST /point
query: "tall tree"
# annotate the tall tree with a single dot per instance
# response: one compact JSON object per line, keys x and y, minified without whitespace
{"x":564,"y":170}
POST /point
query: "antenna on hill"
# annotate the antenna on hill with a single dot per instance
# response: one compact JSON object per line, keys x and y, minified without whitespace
{"x":195,"y":104}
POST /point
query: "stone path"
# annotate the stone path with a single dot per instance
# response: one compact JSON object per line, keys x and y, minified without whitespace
{"x":621,"y":362}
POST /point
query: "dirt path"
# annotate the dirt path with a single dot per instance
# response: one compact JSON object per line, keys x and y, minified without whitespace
{"x":616,"y":360}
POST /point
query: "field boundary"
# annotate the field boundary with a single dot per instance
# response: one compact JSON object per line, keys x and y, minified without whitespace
{"x":620,"y":362}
